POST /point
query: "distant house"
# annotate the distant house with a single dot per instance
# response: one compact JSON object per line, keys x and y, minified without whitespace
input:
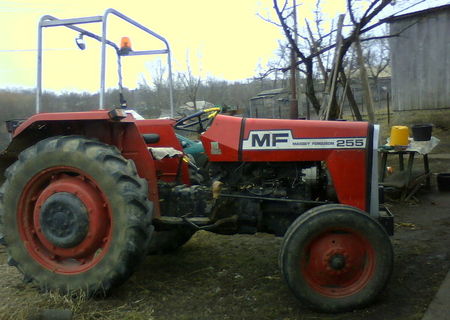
{"x":188,"y":107}
{"x":420,"y":59}
{"x":273,"y":104}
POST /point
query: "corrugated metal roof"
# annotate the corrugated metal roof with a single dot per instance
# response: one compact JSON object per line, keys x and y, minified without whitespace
{"x":417,"y":13}
{"x":272,"y":92}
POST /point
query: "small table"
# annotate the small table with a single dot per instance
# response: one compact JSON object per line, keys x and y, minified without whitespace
{"x":407,"y":180}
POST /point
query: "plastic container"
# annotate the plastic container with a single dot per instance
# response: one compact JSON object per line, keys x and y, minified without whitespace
{"x":399,"y":136}
{"x":422,"y":132}
{"x":443,"y":181}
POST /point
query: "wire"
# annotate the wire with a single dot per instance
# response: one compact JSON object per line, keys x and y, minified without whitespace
{"x":31,"y":50}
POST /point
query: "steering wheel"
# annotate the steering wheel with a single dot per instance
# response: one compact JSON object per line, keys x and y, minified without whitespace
{"x":198,"y":118}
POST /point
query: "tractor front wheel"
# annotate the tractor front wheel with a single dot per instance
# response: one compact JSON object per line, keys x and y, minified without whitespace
{"x":336,"y":258}
{"x":75,"y":215}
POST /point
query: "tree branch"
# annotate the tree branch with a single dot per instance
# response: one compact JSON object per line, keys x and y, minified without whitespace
{"x":346,"y":42}
{"x":350,"y":11}
{"x":367,"y":18}
{"x":268,"y":20}
{"x":392,"y":35}
{"x":369,"y":8}
{"x":287,"y":32}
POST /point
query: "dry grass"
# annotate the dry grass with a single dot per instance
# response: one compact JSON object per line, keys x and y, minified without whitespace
{"x":218,"y":277}
{"x":29,"y":304}
{"x":237,"y":277}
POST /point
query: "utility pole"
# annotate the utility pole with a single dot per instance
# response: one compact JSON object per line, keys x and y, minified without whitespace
{"x":294,"y":102}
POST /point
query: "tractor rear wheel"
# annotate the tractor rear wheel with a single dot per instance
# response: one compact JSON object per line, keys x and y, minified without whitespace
{"x":336,"y":258}
{"x":75,"y":215}
{"x":169,"y":241}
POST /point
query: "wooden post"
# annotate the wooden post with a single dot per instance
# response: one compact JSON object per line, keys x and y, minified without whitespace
{"x":308,"y":112}
{"x":294,"y":102}
{"x":388,"y":109}
{"x":351,"y":98}
{"x":328,"y":103}
{"x":365,"y":81}
{"x":314,"y":49}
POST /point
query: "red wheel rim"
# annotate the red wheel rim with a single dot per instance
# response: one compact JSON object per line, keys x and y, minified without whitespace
{"x":338,"y":263}
{"x":92,"y":248}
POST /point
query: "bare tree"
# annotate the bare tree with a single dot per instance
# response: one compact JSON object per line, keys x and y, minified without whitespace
{"x":377,"y":58}
{"x":283,"y":14}
{"x":161,"y":87}
{"x":190,"y":83}
{"x":362,"y":21}
{"x":273,"y":70}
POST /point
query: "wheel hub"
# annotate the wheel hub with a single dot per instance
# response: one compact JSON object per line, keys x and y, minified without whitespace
{"x":64,"y":220}
{"x":337,"y":262}
{"x":70,"y":219}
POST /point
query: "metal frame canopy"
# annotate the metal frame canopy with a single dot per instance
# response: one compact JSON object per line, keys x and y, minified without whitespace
{"x":50,"y":21}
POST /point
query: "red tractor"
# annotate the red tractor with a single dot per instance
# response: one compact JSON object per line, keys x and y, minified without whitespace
{"x":87,"y":195}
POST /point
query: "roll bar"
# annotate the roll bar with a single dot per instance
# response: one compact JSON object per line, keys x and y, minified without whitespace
{"x":50,"y":21}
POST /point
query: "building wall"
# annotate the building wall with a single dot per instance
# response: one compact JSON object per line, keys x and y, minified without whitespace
{"x":421,"y":62}
{"x":270,"y":106}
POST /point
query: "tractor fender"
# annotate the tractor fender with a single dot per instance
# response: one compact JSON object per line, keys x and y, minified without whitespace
{"x":123,"y":134}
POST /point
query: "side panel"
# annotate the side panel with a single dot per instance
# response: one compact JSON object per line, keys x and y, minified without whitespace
{"x":344,"y":147}
{"x":222,"y":140}
{"x":306,"y":140}
{"x":373,"y":177}
{"x":348,"y":171}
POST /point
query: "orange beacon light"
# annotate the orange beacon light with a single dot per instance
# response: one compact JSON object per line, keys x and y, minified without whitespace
{"x":125,"y":45}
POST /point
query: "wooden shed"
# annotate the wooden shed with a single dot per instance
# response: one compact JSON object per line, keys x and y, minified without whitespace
{"x":272,"y":104}
{"x":420,"y":56}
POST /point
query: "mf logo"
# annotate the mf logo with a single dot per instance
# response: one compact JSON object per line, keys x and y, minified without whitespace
{"x":276,"y":139}
{"x":270,"y":139}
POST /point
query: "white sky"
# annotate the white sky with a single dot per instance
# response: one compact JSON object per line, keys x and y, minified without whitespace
{"x":223,"y":39}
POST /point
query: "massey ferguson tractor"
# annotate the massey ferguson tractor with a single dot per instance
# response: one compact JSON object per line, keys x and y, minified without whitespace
{"x":85,"y":196}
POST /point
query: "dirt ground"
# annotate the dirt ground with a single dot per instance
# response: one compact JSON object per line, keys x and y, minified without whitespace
{"x":237,"y":277}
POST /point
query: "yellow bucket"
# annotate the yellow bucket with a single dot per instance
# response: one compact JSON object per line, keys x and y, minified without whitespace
{"x":399,"y":136}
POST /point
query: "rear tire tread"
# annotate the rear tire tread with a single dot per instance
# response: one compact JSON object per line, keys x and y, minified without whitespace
{"x":130,"y":187}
